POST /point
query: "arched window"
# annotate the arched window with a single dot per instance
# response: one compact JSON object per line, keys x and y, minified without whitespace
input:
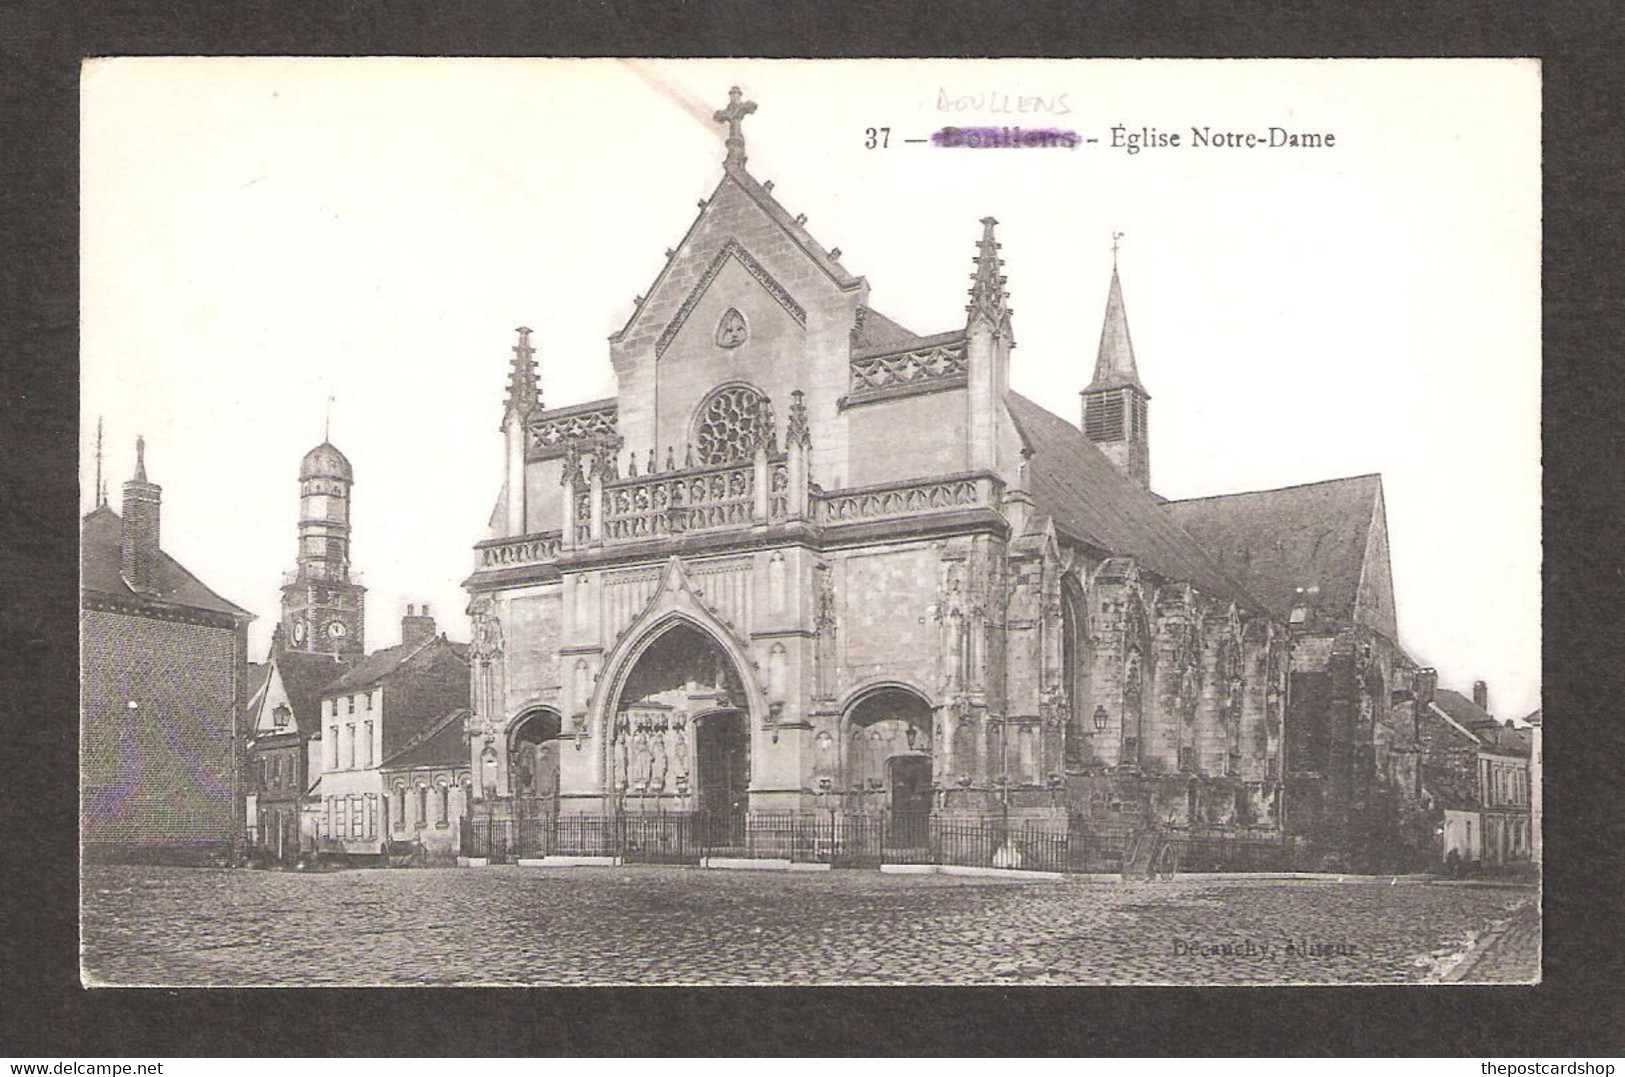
{"x":423,"y":805}
{"x":400,"y":807}
{"x":445,"y":805}
{"x":729,"y":423}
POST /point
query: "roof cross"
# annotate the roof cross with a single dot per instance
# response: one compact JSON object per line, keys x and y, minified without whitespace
{"x":734,"y":115}
{"x":1115,"y":237}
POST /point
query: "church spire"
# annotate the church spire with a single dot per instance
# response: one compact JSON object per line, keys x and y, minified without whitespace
{"x":1114,"y":363}
{"x":524,"y":393}
{"x":1115,"y":414}
{"x":989,"y":301}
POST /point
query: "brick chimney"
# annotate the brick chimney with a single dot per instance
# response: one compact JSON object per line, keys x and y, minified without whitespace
{"x":138,"y":546}
{"x":1481,"y":696}
{"x":1426,"y":683}
{"x":416,"y":627}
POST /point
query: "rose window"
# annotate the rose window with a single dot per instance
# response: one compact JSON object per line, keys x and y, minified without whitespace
{"x":730,"y":423}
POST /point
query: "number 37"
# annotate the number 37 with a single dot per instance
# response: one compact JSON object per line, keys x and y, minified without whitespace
{"x":876,"y":138}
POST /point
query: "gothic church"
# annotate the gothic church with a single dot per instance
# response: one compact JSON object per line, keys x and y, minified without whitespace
{"x":733,"y":589}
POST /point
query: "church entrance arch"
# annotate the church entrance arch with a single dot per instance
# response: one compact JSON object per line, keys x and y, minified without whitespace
{"x":889,"y":761}
{"x":680,"y":730}
{"x":533,"y":777}
{"x":533,"y":755}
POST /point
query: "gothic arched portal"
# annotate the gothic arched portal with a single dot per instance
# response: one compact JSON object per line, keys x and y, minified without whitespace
{"x":533,"y":759}
{"x":889,"y":756}
{"x":680,"y":731}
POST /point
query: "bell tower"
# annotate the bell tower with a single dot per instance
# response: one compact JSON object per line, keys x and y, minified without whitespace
{"x":323,"y":602}
{"x":1114,"y":403}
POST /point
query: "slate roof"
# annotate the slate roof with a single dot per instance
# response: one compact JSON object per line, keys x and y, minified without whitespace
{"x":1089,"y":499}
{"x":1276,"y":541}
{"x":879,"y":331}
{"x":441,"y":744}
{"x":258,"y":674}
{"x":101,"y":571}
{"x":1496,"y":735}
{"x":380,"y":664}
{"x":304,"y":676}
{"x":1114,"y":362}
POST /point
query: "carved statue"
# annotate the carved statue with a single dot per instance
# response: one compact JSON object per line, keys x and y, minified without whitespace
{"x":658,"y":764}
{"x":679,"y":753}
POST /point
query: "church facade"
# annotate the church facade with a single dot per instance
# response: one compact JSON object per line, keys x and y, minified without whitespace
{"x":807,"y":559}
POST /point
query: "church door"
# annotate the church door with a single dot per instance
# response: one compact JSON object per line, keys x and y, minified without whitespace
{"x":723,"y":771}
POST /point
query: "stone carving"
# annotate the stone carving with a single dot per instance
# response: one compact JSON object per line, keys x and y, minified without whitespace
{"x":731,"y":249}
{"x":899,"y":501}
{"x":731,"y":330}
{"x":797,"y":432}
{"x":775,"y":581}
{"x":733,"y":421}
{"x":552,"y":433}
{"x":679,"y":749}
{"x":937,"y":366}
{"x":530,"y":550}
{"x":672,"y":504}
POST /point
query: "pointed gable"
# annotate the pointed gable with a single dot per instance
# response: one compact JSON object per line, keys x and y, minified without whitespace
{"x":1328,"y":535}
{"x":744,"y":214}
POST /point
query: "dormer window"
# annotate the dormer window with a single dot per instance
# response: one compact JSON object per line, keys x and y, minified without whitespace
{"x":280,"y":716}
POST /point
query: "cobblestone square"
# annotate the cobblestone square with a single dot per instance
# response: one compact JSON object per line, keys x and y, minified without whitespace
{"x":656,"y":925}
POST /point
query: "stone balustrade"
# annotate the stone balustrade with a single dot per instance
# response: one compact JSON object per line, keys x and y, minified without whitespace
{"x":936,"y":365}
{"x":675,"y":502}
{"x":523,"y":550}
{"x":973,"y":490}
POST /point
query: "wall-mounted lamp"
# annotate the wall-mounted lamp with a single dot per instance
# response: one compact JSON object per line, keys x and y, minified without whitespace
{"x":579,"y":720}
{"x":1100,"y":719}
{"x":912,"y":734}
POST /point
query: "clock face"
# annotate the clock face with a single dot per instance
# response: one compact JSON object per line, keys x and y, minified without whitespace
{"x":336,"y":629}
{"x":299,"y":631}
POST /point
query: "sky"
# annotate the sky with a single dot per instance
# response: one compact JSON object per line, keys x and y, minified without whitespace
{"x":262,"y":235}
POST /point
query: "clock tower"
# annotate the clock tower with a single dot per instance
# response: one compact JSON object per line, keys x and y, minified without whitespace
{"x":323,"y":602}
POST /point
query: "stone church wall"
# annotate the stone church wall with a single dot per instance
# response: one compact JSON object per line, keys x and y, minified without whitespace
{"x":907,"y":437}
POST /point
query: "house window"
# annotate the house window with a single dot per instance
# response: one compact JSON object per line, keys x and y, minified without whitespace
{"x":445,"y":805}
{"x":336,"y":817}
{"x":1187,"y":759}
{"x":367,"y":740}
{"x":333,"y":753}
{"x":352,"y":703}
{"x":355,"y":815}
{"x":1233,"y":764}
{"x":400,"y":807}
{"x":423,"y":805}
{"x":349,"y":740}
{"x":279,"y":717}
{"x":366,"y":701}
{"x":372,"y":816}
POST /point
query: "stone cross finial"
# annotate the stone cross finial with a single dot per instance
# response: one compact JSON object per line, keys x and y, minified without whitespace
{"x":733,"y":116}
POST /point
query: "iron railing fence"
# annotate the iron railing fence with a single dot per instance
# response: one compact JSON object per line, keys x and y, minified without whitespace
{"x":850,"y":839}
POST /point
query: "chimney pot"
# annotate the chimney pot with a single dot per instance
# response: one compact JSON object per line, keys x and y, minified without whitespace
{"x":1481,"y":696}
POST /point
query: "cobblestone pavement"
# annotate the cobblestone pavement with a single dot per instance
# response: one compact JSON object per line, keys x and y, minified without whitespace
{"x":513,"y":925}
{"x":1509,"y":952}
